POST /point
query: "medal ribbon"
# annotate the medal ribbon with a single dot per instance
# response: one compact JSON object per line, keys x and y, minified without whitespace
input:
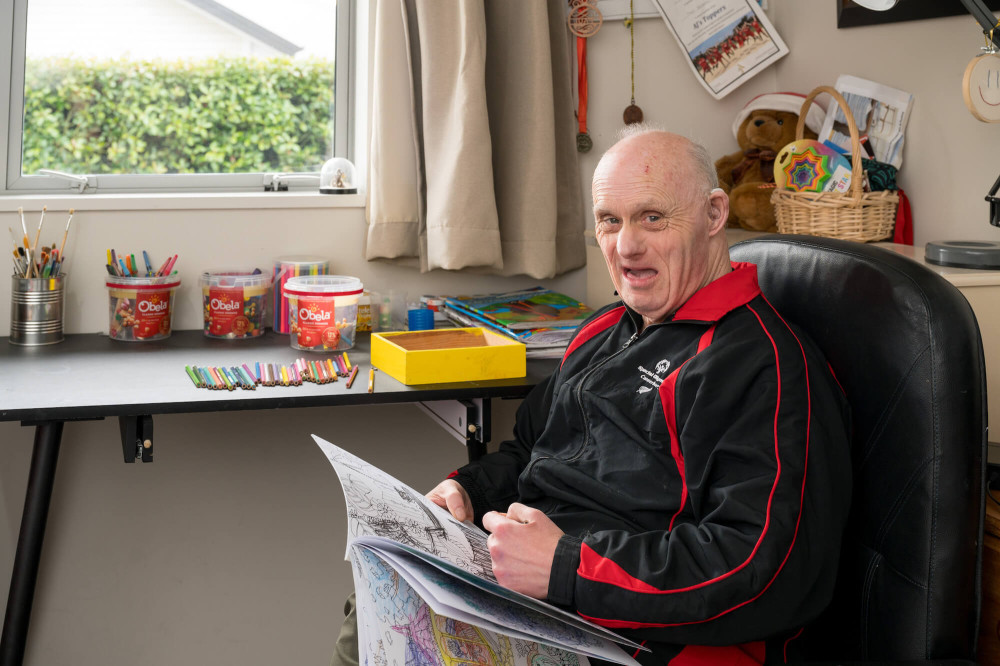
{"x":581,"y":82}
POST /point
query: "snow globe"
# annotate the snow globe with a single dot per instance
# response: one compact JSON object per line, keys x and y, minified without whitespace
{"x":338,"y":177}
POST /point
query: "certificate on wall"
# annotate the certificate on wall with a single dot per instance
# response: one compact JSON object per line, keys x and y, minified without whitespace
{"x":725,"y":42}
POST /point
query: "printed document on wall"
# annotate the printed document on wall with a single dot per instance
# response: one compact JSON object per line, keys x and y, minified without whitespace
{"x":880,"y":112}
{"x":725,"y":42}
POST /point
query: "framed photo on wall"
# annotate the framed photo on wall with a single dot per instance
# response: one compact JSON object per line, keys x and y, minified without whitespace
{"x":850,"y":14}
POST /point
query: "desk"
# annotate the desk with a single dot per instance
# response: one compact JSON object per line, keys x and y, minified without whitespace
{"x":92,"y":377}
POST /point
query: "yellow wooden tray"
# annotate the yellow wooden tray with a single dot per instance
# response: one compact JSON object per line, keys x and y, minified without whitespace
{"x":447,"y":355}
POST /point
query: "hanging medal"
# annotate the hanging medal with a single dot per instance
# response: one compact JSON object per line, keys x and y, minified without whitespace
{"x":633,"y":114}
{"x":584,"y":21}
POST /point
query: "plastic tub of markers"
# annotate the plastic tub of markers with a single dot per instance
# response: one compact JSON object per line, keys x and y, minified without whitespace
{"x":233,"y":303}
{"x":322,"y":311}
{"x":140,"y":308}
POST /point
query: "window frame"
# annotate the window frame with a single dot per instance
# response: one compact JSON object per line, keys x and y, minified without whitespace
{"x":13,"y":35}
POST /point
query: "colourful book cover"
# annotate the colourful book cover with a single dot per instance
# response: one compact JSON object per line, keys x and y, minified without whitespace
{"x":530,"y":308}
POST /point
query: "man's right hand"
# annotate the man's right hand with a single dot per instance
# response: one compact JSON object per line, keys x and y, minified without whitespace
{"x":451,"y":495}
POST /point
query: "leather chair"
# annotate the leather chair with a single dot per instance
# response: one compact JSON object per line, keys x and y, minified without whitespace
{"x":905,"y":346}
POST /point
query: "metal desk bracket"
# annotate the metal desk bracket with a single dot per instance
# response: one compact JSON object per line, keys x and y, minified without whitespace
{"x":466,"y":420}
{"x":137,"y":437}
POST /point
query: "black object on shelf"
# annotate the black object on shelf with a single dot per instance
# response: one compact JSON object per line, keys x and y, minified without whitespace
{"x":964,"y":254}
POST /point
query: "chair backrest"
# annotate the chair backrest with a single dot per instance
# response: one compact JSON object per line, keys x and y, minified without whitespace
{"x":905,"y":346}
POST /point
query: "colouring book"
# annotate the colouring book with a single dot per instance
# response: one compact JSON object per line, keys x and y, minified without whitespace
{"x":530,"y":308}
{"x":425,"y":588}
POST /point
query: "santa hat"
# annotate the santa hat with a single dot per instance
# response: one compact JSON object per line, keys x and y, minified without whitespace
{"x":786,"y":101}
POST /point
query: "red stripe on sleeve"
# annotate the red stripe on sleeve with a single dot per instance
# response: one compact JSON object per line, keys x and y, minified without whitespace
{"x":667,"y":394}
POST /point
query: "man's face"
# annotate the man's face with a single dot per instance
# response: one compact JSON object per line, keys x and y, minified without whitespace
{"x":654,"y":220}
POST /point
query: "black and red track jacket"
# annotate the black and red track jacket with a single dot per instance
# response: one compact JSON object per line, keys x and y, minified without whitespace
{"x":699,"y":469}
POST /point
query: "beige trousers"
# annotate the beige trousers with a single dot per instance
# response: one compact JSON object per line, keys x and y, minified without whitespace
{"x":345,"y":652}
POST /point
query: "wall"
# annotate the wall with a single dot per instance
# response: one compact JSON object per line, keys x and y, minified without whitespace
{"x":229,"y":549}
{"x":947,"y":167}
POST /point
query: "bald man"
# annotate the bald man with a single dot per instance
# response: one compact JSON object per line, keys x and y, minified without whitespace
{"x":683,"y":477}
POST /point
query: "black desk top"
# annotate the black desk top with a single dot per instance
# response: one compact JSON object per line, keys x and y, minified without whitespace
{"x":90,"y":376}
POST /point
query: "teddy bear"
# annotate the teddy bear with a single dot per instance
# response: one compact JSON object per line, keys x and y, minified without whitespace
{"x":764,"y":126}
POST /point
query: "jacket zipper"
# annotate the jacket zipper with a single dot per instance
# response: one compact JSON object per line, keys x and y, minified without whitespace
{"x":578,"y":395}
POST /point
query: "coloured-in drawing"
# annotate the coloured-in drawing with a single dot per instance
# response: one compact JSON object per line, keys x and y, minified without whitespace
{"x":403,"y":629}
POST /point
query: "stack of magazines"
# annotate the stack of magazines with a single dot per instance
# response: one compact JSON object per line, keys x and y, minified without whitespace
{"x":544,"y":320}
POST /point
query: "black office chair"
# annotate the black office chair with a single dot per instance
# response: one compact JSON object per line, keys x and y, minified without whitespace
{"x":905,"y":346}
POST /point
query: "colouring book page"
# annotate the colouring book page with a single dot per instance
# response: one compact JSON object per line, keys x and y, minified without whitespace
{"x":414,"y":560}
{"x":453,"y":597}
{"x":399,"y":628}
{"x":380,"y":505}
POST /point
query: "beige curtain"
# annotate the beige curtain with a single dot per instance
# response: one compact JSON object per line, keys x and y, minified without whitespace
{"x":473,"y":153}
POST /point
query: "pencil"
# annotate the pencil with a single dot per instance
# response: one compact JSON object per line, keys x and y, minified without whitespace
{"x":354,"y":373}
{"x":347,"y":361}
{"x":371,"y":379}
{"x":231,"y":381}
{"x":190,"y":373}
{"x":251,"y":385}
{"x":223,"y":379}
{"x":205,"y":377}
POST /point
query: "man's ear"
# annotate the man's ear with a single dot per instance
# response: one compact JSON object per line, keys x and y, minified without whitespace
{"x":718,"y":211}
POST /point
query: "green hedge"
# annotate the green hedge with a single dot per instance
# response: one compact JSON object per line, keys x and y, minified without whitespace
{"x":220,"y":115}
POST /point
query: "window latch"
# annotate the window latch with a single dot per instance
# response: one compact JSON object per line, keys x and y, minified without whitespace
{"x":79,"y":182}
{"x":279,"y":182}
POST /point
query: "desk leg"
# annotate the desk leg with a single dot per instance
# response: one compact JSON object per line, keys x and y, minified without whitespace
{"x":29,"y":542}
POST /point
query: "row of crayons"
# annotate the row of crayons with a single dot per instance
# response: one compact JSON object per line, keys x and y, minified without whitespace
{"x":128,"y":266}
{"x":32,"y":261}
{"x":248,"y":377}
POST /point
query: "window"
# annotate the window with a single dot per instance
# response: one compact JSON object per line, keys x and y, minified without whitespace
{"x":174,"y":95}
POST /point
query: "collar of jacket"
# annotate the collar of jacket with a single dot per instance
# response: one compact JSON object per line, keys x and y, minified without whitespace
{"x":717,"y":298}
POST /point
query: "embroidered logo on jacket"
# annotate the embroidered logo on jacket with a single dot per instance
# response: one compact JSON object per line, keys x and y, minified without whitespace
{"x":652,"y":380}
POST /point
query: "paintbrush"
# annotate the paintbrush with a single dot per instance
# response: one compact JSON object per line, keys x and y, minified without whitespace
{"x":38,"y":233}
{"x":65,"y":234}
{"x":27,"y":245}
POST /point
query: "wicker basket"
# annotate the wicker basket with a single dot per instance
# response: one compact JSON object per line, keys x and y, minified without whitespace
{"x":854,"y":215}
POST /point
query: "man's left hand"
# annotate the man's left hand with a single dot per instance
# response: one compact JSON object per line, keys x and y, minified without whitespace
{"x":522,"y":544}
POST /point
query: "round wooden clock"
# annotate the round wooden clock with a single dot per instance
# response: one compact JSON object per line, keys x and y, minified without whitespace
{"x":981,"y":87}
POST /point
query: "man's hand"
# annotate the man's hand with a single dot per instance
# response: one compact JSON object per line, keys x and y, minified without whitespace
{"x":451,"y":495}
{"x":522,"y":544}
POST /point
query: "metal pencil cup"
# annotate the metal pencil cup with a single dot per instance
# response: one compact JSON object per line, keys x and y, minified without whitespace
{"x":36,"y":310}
